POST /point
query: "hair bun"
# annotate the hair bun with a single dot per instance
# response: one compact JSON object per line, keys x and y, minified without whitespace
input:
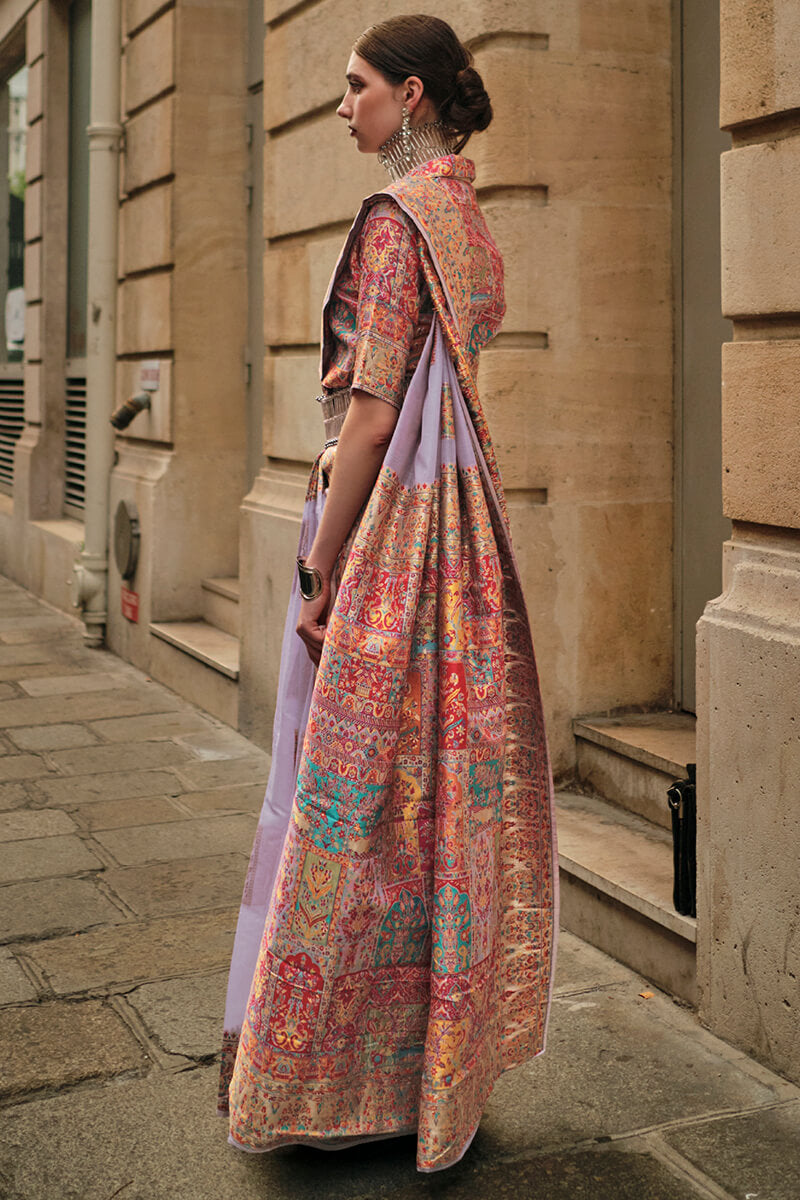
{"x":426,"y":46}
{"x":469,"y":108}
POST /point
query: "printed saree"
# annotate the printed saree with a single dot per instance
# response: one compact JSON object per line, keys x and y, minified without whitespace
{"x":395,"y":946}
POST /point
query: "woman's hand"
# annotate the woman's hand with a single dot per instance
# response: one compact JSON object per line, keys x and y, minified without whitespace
{"x":313,"y":621}
{"x":365,"y":436}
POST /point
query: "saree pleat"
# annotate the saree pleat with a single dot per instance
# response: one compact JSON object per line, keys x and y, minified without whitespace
{"x":396,"y":943}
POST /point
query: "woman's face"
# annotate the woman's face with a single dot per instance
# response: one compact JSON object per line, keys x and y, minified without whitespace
{"x":372,"y":107}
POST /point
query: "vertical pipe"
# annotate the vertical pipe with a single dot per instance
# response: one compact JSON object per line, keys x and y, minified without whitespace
{"x":104,"y":134}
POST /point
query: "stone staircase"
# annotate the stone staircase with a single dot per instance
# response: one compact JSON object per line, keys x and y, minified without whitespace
{"x":615,"y":845}
{"x":200,"y":659}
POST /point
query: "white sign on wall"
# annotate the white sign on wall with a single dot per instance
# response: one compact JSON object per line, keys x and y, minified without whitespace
{"x":149,"y":375}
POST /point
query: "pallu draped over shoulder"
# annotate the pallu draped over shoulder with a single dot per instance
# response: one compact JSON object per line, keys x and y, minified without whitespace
{"x":395,"y":946}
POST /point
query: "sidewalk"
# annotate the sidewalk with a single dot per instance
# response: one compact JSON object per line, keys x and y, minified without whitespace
{"x":126,"y":818}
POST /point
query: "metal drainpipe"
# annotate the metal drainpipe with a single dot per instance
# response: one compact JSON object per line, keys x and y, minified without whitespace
{"x":105,"y":132}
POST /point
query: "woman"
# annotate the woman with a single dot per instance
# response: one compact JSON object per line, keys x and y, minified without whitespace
{"x":395,"y":944}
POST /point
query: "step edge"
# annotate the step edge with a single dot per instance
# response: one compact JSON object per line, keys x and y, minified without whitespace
{"x":683,"y":927}
{"x":161,"y":630}
{"x":617,"y":813}
{"x":222,"y":587}
{"x":646,"y":758}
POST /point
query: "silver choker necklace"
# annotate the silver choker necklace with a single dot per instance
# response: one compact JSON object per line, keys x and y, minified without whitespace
{"x":409,"y":148}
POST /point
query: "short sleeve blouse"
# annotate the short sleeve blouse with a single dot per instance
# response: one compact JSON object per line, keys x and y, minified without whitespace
{"x":381,"y":310}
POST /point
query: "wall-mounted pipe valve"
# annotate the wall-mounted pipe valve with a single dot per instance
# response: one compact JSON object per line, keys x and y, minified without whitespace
{"x":122,"y":417}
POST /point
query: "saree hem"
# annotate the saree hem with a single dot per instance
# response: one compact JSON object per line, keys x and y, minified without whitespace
{"x":323,"y":1141}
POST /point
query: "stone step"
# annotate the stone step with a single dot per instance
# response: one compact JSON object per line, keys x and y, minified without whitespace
{"x":221,"y":603}
{"x":201,"y":663}
{"x":207,"y":643}
{"x":616,"y":891}
{"x":631,"y":760}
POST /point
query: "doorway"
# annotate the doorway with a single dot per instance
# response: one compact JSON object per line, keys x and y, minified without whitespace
{"x":700,"y":527}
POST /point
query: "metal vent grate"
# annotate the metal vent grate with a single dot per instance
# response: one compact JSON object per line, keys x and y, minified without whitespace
{"x":12,"y":422}
{"x":75,"y":446}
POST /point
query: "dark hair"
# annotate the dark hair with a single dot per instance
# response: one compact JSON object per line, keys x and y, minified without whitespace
{"x":427,"y":47}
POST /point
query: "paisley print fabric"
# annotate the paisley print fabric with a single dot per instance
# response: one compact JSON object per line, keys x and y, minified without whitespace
{"x":381,"y":310}
{"x":399,"y":943}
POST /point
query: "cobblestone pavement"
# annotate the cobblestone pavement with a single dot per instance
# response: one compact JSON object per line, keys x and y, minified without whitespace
{"x":126,"y":818}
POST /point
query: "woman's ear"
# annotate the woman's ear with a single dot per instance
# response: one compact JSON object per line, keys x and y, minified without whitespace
{"x":413,"y":89}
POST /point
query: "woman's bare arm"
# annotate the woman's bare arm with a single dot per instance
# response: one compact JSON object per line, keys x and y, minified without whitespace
{"x":365,"y":436}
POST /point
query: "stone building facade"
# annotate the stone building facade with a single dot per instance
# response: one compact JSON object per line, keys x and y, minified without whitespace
{"x":749,"y":643}
{"x":599,"y":178}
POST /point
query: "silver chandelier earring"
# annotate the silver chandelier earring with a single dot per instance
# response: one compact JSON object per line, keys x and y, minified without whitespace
{"x":405,"y":134}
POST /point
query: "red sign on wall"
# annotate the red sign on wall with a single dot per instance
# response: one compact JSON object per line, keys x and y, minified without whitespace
{"x":130,"y":604}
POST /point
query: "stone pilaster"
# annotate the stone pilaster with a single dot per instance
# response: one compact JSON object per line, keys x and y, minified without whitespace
{"x":749,"y":639}
{"x":182,"y":302}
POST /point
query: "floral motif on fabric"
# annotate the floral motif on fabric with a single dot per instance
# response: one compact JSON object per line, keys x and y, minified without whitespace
{"x":380,"y":311}
{"x":403,"y":933}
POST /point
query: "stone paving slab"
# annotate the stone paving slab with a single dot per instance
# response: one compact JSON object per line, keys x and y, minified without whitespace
{"x":15,"y":987}
{"x":23,"y":766}
{"x":52,"y":737}
{"x":599,"y":1174}
{"x":130,"y":953}
{"x":7,"y":691}
{"x":12,"y":796}
{"x":150,"y":728}
{"x":185,"y":1015}
{"x":53,"y":906}
{"x":747,"y":1155}
{"x":45,"y":619}
{"x":28,"y":656}
{"x":40,"y":822}
{"x":35,"y":670}
{"x":247,"y":797}
{"x":51,"y":710}
{"x":33,"y":619}
{"x":191,"y":838}
{"x":109,"y":785}
{"x":615,"y":1065}
{"x":41,"y":858}
{"x":33,"y":635}
{"x":116,"y":814}
{"x":59,"y":685}
{"x":212,"y":744}
{"x":136,"y":756}
{"x":54,"y":1043}
{"x":200,"y":776}
{"x":93,"y":1142}
{"x":180,"y":886}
